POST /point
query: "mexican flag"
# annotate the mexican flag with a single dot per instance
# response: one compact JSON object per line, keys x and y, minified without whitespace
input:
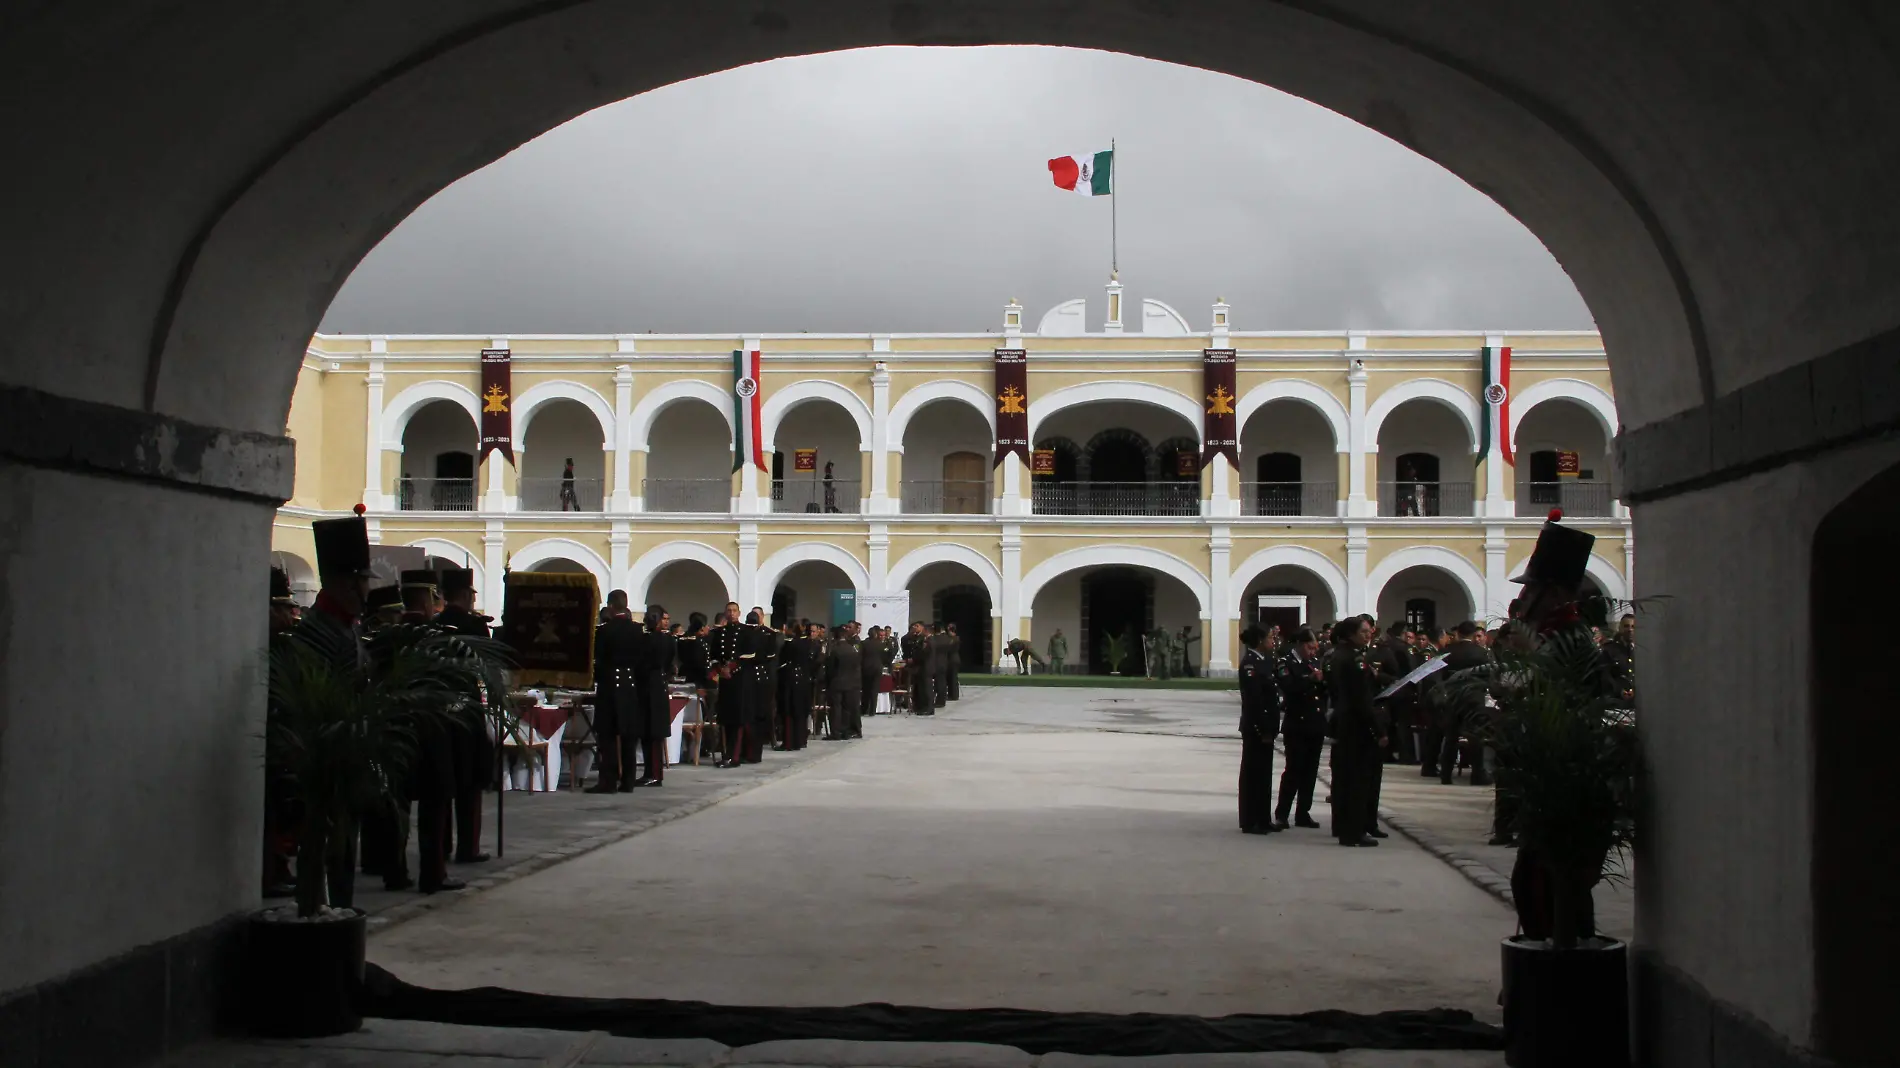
{"x":1497,"y":404}
{"x":1087,"y":173}
{"x":747,"y":444}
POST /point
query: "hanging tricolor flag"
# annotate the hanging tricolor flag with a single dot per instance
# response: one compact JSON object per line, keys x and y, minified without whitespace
{"x":1497,"y":404}
{"x":748,"y":444}
{"x":1088,"y":173}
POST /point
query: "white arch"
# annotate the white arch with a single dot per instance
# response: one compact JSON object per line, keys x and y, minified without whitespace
{"x":1433,"y":389}
{"x":661,"y":397}
{"x":943,"y":389}
{"x":1434,"y":556}
{"x":450,"y":551}
{"x":1179,"y":403}
{"x":525,"y":558}
{"x":657,"y":558}
{"x":1110,"y":555}
{"x":948,"y":552}
{"x":1312,"y":394}
{"x":1595,"y":398}
{"x":1601,"y":571}
{"x":1312,"y":561}
{"x":773,"y":567}
{"x":542,"y":393}
{"x":403,"y":407}
{"x":785,"y":398}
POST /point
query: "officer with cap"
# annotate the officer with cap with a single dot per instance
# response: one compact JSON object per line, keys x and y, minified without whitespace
{"x":283,"y":607}
{"x":474,"y":750}
{"x":384,"y":607}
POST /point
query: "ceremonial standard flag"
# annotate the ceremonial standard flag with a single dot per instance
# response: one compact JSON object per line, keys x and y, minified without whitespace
{"x":1088,"y":173}
{"x":747,"y":444}
{"x":1497,"y":404}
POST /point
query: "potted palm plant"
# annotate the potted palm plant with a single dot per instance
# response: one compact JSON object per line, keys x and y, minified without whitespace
{"x":1114,"y":651}
{"x":342,"y":730}
{"x":1565,"y":740}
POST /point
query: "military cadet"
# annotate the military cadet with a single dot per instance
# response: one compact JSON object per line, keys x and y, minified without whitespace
{"x":618,"y":652}
{"x":872,"y":667}
{"x":1619,"y":660}
{"x":474,"y":749}
{"x":333,"y":627}
{"x":650,"y":719}
{"x":279,"y":813}
{"x":1259,"y":722}
{"x":722,"y":653}
{"x":801,"y":661}
{"x":758,"y":651}
{"x":1303,"y":722}
{"x":919,"y":669}
{"x":1356,"y":739}
{"x":844,"y":679}
{"x":432,"y":779}
{"x":940,"y":655}
{"x":954,"y":647}
{"x":283,"y":607}
{"x":383,"y":607}
{"x":1058,"y":651}
{"x":1450,"y":709}
{"x":1185,"y":643}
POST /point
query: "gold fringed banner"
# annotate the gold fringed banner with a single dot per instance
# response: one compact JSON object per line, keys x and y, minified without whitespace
{"x":548,"y":618}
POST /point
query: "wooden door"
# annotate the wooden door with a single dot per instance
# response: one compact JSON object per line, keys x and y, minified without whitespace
{"x":966,"y":486}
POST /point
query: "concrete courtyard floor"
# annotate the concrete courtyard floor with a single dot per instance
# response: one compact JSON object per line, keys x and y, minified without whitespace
{"x":1010,"y":852}
{"x":1071,"y":850}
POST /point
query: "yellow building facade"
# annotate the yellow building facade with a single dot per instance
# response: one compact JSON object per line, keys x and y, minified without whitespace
{"x":1361,"y":485}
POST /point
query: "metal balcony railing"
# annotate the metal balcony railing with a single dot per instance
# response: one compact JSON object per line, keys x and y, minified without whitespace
{"x":946,"y":497}
{"x":687,"y":494}
{"x":837,"y":496}
{"x":435,"y":494}
{"x":1536,"y":499}
{"x":1417,"y":498}
{"x":1289,"y":498}
{"x":1116,"y":498}
{"x":562,"y":495}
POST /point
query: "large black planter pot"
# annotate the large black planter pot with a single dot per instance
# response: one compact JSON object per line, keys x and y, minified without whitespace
{"x":304,"y":980}
{"x":1566,"y":1007}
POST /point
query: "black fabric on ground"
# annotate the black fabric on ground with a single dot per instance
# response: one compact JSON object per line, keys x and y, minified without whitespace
{"x":1087,"y":1033}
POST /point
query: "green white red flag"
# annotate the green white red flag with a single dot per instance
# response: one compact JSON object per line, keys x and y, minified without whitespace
{"x":1091,"y":174}
{"x":1497,"y":404}
{"x":748,"y":444}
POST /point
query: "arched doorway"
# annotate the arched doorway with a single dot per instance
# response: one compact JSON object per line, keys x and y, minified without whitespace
{"x":1562,"y":461}
{"x":1295,"y":465}
{"x":688,"y":459}
{"x":1094,"y":605}
{"x":684,"y":587}
{"x":1291,"y":591}
{"x":947,"y":592}
{"x":1429,"y":595}
{"x":1117,"y":467}
{"x":438,"y":460}
{"x":946,"y":461}
{"x":804,"y":591}
{"x":1425,"y":463}
{"x":562,"y":437}
{"x":833,"y":485}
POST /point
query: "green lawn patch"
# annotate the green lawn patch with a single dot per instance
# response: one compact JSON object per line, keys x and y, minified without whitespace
{"x":1118,"y":682}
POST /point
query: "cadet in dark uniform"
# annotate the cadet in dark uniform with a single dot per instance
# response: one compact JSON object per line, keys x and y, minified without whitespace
{"x":333,"y":627}
{"x":280,"y":823}
{"x":954,"y":646}
{"x":619,"y":647}
{"x":919,"y":667}
{"x":722,"y":654}
{"x":805,"y":664}
{"x":758,"y":651}
{"x":651,"y":722}
{"x":871,"y":664}
{"x":474,"y":749}
{"x":844,"y":679}
{"x":784,"y":685}
{"x":1356,"y":740}
{"x":1303,"y":722}
{"x":1259,"y":722}
{"x":432,"y":778}
{"x":941,"y":645}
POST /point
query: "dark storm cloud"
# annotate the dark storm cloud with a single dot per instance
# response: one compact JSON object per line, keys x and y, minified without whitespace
{"x":906,"y":190}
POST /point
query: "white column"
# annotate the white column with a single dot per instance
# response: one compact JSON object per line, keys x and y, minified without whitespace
{"x":1495,"y":506}
{"x":1014,"y":501}
{"x":1629,"y":561}
{"x":494,"y":562}
{"x":1358,"y":597}
{"x":619,"y":556}
{"x":878,"y":547}
{"x":879,"y":492}
{"x":1222,"y":606}
{"x":495,"y":496}
{"x":624,"y":492}
{"x":376,"y":496}
{"x":1113,"y":323}
{"x":1359,"y":504}
{"x":1497,"y":574}
{"x":749,"y":566}
{"x":1220,"y":503}
{"x":1015,"y":614}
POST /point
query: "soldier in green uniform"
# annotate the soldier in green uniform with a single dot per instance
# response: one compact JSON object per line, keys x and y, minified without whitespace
{"x":1058,"y":651}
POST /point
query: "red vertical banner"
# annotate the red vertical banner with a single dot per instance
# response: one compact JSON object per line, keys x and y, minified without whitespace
{"x":1012,"y":404}
{"x":498,"y":402}
{"x":1220,"y":426}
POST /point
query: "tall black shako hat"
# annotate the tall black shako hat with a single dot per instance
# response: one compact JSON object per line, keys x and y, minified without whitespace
{"x":457,"y":580}
{"x":382,"y":598}
{"x":342,"y":546}
{"x":418,"y":578}
{"x":1560,"y":556}
{"x":280,"y":586}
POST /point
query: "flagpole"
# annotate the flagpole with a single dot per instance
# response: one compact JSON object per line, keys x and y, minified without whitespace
{"x":1114,"y":235}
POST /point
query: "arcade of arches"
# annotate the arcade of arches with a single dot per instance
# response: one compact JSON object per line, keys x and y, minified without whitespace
{"x":1716,"y":179}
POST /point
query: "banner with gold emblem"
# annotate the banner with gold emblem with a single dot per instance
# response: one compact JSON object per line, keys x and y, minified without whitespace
{"x":1012,"y":404}
{"x":804,"y":459}
{"x":1220,"y":430}
{"x":1042,"y":462}
{"x":498,"y":417}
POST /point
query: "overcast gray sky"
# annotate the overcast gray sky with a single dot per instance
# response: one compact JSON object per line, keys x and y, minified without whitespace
{"x":907,"y":190}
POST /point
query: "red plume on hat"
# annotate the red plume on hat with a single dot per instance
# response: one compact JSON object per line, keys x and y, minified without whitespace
{"x":1555,"y":514}
{"x":360,"y":508}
